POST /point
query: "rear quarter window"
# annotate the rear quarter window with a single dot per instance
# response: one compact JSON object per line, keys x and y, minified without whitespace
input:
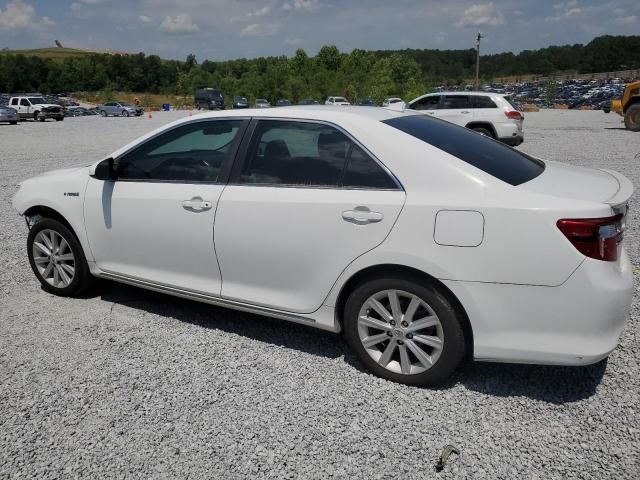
{"x":490,"y":156}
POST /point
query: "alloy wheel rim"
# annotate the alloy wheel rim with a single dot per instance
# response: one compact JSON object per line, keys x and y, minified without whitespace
{"x":400,"y":332}
{"x":54,"y":258}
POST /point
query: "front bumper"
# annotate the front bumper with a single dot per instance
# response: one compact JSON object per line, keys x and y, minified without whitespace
{"x":576,"y":323}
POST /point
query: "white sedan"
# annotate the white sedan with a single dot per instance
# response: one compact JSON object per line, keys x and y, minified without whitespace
{"x":423,"y":242}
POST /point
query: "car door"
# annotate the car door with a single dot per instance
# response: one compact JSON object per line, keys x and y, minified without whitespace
{"x":25,"y":107}
{"x":305,"y":202}
{"x":456,"y":109}
{"x":427,"y":105}
{"x":155,"y":221}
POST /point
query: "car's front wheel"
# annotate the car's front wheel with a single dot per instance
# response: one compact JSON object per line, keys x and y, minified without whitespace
{"x":125,"y":113}
{"x":57,"y":259}
{"x":404,"y":330}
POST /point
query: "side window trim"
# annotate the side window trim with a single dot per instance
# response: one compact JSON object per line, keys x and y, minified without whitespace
{"x":225,"y":170}
{"x":242,"y":157}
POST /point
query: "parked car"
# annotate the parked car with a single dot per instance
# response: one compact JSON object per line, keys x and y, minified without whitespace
{"x":119,"y":109}
{"x":9,"y":114}
{"x":308,"y":101}
{"x":421,"y":240}
{"x":36,"y":108}
{"x":365,"y":102}
{"x":390,"y":101}
{"x":337,"y":101}
{"x":489,"y":114}
{"x":240,"y":102}
{"x":283,"y":102}
{"x":261,"y":103}
{"x":209,"y":99}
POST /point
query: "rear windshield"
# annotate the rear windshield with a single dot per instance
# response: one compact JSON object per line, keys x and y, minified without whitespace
{"x":490,"y":156}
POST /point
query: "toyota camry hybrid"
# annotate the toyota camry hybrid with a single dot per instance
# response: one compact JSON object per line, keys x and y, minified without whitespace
{"x":423,"y":242}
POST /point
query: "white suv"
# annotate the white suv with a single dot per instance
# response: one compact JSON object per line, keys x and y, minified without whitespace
{"x":339,"y":101}
{"x":490,"y":114}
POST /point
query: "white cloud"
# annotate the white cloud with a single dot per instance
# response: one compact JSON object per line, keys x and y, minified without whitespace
{"x":293,"y":41}
{"x":630,"y":20}
{"x":259,"y":30}
{"x":18,"y":14}
{"x":480,"y":14}
{"x":302,"y":5}
{"x":181,"y":23}
{"x":144,"y":19}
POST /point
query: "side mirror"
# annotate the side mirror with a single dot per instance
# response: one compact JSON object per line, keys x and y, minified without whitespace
{"x":105,"y":170}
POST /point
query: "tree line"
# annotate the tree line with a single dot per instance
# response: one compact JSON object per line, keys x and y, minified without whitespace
{"x":377,"y":74}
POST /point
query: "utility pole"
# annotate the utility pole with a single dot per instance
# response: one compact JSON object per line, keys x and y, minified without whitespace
{"x":478,"y":60}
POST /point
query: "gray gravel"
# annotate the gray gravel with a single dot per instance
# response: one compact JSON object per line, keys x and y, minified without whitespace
{"x":127,"y":383}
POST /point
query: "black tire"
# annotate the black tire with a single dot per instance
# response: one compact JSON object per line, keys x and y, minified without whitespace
{"x":81,"y":279}
{"x":453,"y":345}
{"x":42,"y":118}
{"x":632,"y":118}
{"x":13,"y":123}
{"x":36,"y":116}
{"x":483,"y":131}
{"x":59,"y":119}
{"x":103,"y":113}
{"x":125,"y":113}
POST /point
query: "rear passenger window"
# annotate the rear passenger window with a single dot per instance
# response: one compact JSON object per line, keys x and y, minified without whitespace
{"x":364,"y":172}
{"x":478,"y":101}
{"x":455,"y":102}
{"x":296,"y":153}
{"x":291,"y":153}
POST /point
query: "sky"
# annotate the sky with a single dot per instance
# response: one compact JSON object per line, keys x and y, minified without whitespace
{"x":227,"y":29}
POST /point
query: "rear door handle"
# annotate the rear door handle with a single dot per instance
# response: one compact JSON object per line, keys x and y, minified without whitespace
{"x":361,"y":216}
{"x":196,"y":204}
{"x":465,"y":111}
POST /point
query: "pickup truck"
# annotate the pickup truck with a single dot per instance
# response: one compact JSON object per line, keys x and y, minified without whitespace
{"x":36,"y":108}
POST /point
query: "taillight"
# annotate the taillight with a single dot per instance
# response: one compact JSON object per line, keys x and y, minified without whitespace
{"x":513,"y":114}
{"x":594,"y":237}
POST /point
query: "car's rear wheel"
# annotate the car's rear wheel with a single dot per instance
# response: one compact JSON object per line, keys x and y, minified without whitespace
{"x":57,"y":259}
{"x":632,"y":118}
{"x":404,"y":330}
{"x":103,"y":113}
{"x":483,"y":131}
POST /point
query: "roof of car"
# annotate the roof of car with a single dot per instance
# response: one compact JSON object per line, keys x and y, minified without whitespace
{"x":311,"y":112}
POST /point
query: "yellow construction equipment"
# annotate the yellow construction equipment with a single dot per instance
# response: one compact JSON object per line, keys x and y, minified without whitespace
{"x":629,"y":106}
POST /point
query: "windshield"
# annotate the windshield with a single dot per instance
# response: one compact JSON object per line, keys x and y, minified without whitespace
{"x":490,"y":156}
{"x":37,"y":100}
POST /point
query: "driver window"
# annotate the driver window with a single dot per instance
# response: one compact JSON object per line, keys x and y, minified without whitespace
{"x":192,"y":153}
{"x":25,"y":103}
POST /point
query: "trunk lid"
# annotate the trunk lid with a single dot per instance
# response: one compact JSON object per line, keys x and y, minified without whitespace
{"x":582,"y":183}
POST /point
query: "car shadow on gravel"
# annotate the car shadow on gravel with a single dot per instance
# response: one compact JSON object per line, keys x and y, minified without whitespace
{"x":551,"y":384}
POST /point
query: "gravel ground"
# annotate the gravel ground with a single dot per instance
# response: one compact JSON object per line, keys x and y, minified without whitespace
{"x":127,"y":383}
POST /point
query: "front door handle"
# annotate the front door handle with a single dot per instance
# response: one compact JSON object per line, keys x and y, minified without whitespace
{"x":196,"y":204}
{"x":465,"y":111}
{"x":361,"y":216}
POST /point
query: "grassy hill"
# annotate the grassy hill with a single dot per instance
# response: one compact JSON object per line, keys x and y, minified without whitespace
{"x":54,"y":53}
